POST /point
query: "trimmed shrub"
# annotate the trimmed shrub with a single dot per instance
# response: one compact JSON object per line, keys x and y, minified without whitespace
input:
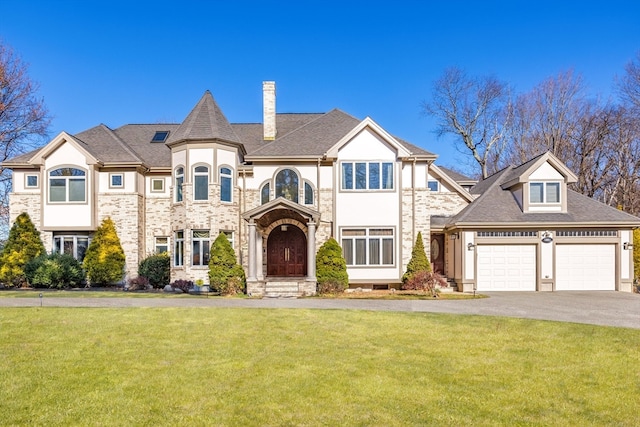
{"x":57,"y":271}
{"x":331,"y":268}
{"x":418,"y":261}
{"x":139,"y":283}
{"x":183,"y":285}
{"x":22,"y":246}
{"x":426,"y":281}
{"x":225,"y":274}
{"x":156,"y":268}
{"x":104,"y":260}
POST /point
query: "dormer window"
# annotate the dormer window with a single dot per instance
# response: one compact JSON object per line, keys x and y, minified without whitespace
{"x":544,"y":192}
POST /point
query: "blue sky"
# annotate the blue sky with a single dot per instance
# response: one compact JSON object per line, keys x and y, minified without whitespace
{"x":118,"y":62}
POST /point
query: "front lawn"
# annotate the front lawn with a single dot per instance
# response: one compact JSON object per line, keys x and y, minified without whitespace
{"x":224,"y":366}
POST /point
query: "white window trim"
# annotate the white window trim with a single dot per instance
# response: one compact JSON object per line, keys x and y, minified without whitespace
{"x":367,"y":181}
{"x":367,"y":237}
{"x":26,"y":181}
{"x":178,"y":249}
{"x":175,"y":184}
{"x":544,"y":193}
{"x":195,"y":174}
{"x":156,"y":244}
{"x":231,"y":176}
{"x":67,"y":187}
{"x":200,"y":241}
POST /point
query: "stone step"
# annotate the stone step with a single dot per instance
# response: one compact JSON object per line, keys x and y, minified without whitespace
{"x":289,"y":289}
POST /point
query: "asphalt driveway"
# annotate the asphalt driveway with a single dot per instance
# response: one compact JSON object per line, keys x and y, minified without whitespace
{"x":599,"y":308}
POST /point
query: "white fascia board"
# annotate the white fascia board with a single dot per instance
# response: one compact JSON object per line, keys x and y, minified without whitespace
{"x":368,"y":122}
{"x":62,"y":138}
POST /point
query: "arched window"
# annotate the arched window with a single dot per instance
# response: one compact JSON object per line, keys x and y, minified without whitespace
{"x":308,"y":194}
{"x":287,"y":185}
{"x":226,"y":184}
{"x":179,"y":180}
{"x":201,"y":183}
{"x":67,"y":185}
{"x":264,"y":193}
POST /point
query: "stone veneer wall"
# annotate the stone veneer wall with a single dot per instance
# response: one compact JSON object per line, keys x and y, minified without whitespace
{"x":157,"y":222}
{"x":212,"y":215}
{"x":325,"y":229}
{"x":31,"y":204}
{"x":422,"y":222}
{"x":127,"y":212}
{"x":446,"y":203}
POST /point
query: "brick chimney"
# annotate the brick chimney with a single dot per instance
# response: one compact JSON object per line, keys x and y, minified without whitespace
{"x":269,"y":110}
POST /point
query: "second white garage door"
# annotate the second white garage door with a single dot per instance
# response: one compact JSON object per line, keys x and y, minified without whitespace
{"x":506,"y":267}
{"x":585,"y":267}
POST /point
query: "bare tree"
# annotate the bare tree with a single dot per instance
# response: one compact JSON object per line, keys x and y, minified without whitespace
{"x":629,"y":86}
{"x":546,"y":118}
{"x":23,"y":120}
{"x":476,"y":109}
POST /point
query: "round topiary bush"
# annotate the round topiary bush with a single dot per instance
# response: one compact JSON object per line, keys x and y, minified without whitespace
{"x":156,"y":268}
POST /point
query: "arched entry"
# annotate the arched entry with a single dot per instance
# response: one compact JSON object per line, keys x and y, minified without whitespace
{"x":286,"y":252}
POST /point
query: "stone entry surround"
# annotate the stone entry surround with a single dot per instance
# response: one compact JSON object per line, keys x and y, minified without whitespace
{"x":261,"y":221}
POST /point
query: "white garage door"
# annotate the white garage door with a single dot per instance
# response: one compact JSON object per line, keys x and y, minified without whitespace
{"x":506,"y":267}
{"x":585,"y":267}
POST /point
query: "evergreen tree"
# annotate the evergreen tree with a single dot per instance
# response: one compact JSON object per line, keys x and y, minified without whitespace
{"x":104,"y":260}
{"x":331,"y":268}
{"x":225,"y":274}
{"x":22,"y":246}
{"x":419,"y":262}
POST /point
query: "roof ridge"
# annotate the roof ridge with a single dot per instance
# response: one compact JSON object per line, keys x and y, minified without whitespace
{"x":278,"y":138}
{"x":130,"y":150}
{"x":496,"y":183}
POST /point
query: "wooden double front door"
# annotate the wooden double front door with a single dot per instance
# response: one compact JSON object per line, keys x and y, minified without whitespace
{"x":287,"y":252}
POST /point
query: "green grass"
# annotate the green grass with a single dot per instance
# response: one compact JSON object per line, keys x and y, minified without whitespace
{"x":204,"y":366}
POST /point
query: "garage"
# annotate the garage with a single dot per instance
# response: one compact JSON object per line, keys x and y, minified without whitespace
{"x":506,"y":267}
{"x":585,"y":267}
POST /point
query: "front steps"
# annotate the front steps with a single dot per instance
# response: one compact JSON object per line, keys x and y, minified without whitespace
{"x":282,"y":287}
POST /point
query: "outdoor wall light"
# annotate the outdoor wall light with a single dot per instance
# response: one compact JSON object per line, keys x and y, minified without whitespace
{"x":453,"y":236}
{"x":471,"y":247}
{"x":547,"y":237}
{"x":627,"y":246}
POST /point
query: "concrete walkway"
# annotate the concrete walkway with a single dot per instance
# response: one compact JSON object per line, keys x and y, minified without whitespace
{"x":598,"y":308}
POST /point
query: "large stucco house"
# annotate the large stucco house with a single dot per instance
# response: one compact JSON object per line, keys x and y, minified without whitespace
{"x":281,"y":188}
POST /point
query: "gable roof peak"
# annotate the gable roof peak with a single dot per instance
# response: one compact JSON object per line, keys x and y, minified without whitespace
{"x":205,"y":121}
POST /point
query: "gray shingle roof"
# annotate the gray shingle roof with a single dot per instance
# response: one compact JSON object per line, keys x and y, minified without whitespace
{"x":106,"y":146}
{"x":497,"y":205}
{"x":299,"y":135}
{"x":313,"y":138}
{"x":205,"y":121}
